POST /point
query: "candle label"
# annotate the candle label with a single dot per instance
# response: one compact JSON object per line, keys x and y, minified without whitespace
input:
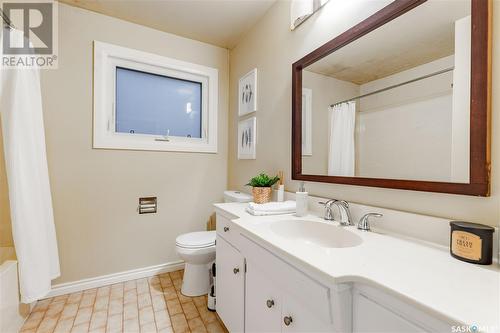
{"x":466,"y":245}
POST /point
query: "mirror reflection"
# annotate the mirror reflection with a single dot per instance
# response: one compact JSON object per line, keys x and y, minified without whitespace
{"x":395,"y":103}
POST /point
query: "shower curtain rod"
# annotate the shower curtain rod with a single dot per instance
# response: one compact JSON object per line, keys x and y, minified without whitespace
{"x":395,"y":86}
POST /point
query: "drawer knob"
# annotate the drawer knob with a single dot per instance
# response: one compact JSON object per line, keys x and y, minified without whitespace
{"x":226,"y":229}
{"x":270,"y":303}
{"x":236,"y":270}
{"x":287,"y":320}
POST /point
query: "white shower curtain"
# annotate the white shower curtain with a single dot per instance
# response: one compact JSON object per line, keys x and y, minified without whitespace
{"x":341,"y":152}
{"x":28,"y":178}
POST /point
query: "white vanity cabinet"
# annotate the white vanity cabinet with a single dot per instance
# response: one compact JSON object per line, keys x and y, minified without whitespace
{"x":270,"y":308}
{"x":230,"y":285}
{"x":261,"y":290}
{"x":301,"y":303}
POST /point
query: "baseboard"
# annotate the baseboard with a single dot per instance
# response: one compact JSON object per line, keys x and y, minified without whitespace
{"x":104,"y":280}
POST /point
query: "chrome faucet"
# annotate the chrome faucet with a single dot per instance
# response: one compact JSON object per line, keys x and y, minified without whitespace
{"x":364,"y":223}
{"x":343,"y":207}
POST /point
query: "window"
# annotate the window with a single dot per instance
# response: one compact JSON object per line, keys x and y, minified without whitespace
{"x":148,"y":102}
{"x":155,"y":104}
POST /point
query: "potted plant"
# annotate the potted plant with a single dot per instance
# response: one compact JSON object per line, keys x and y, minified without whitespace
{"x":261,"y":187}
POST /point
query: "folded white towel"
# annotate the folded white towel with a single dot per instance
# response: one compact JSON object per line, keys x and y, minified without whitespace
{"x":286,"y":206}
{"x":263,"y":213}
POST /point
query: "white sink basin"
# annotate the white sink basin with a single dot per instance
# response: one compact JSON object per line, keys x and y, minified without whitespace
{"x":321,"y":234}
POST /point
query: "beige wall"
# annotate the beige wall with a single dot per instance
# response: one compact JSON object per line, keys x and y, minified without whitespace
{"x":95,"y":192}
{"x":272,"y":48}
{"x":5,"y":226}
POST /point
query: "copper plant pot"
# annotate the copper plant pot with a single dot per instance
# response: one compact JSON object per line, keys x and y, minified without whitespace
{"x":261,"y":194}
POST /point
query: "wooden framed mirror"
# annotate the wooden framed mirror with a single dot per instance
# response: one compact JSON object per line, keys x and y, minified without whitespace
{"x":401,"y":100}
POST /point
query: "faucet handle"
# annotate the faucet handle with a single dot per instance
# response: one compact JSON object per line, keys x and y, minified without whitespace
{"x":328,"y":209}
{"x":364,"y":223}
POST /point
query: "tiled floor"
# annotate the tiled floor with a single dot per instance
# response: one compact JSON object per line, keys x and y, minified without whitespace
{"x":146,"y":305}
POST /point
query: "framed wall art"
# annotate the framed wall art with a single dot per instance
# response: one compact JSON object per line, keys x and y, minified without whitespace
{"x":247,"y":138}
{"x":247,"y":93}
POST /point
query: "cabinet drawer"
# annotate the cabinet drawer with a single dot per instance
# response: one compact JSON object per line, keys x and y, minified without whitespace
{"x":226,"y":230}
{"x":294,"y":283}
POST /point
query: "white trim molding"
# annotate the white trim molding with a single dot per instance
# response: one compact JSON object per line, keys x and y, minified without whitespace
{"x":107,"y":57}
{"x":104,"y":280}
{"x":306,"y":122}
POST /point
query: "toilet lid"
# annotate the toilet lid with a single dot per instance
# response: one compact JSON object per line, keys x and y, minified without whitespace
{"x":198,"y":239}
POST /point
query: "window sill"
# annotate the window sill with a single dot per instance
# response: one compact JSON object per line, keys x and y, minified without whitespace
{"x":153,"y":143}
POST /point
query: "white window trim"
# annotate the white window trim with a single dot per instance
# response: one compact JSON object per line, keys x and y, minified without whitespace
{"x":307,"y":118}
{"x":107,"y":57}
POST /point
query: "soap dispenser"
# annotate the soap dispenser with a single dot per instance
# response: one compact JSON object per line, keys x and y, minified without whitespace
{"x":301,"y":198}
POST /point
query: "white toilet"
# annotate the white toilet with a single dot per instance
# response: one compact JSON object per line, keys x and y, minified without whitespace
{"x":197,"y":249}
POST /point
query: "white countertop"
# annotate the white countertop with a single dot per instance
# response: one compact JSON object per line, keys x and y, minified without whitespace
{"x":424,"y":275}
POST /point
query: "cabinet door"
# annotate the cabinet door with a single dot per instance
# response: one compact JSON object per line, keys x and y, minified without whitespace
{"x":262,"y":302}
{"x":230,"y":286}
{"x":369,"y":316}
{"x":295,"y":317}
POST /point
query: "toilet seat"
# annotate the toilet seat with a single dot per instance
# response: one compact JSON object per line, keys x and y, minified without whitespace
{"x":196,"y":240}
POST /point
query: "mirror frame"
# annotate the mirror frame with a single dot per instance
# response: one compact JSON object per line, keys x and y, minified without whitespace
{"x":480,"y":105}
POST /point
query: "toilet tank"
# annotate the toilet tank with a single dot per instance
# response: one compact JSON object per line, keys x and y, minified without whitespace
{"x":236,"y":196}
